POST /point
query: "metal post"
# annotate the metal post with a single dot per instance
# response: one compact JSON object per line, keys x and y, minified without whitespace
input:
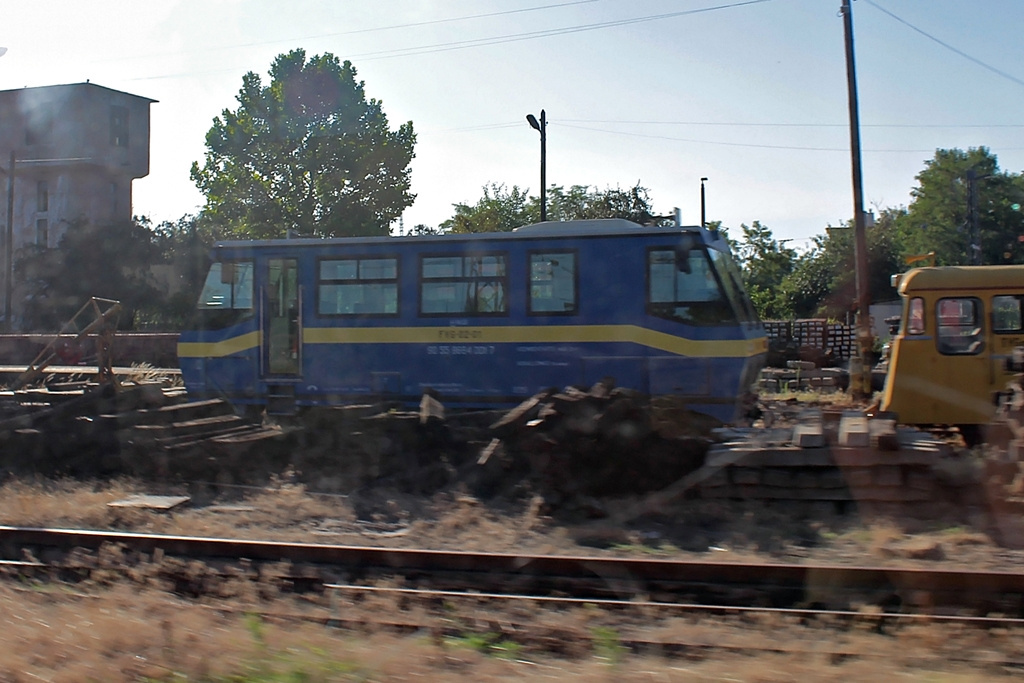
{"x":542,"y":127}
{"x":861,"y":384}
{"x":703,"y":216}
{"x":9,"y":245}
{"x":974,"y":228}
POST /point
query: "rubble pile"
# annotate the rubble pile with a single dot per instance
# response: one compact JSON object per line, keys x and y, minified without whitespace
{"x":604,"y":441}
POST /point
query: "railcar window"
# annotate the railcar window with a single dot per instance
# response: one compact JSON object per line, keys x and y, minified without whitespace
{"x":691,"y":294}
{"x":959,"y":326}
{"x":1006,"y":314}
{"x":358,"y":286}
{"x":228,"y":286}
{"x":553,"y":282}
{"x":731,"y":278}
{"x":915,"y":317}
{"x":474,"y":285}
{"x":227,"y":295}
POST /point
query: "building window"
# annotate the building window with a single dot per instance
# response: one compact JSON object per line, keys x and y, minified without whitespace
{"x":553,"y":282}
{"x":118,"y":126}
{"x":42,"y":197}
{"x":42,"y":232}
{"x":358,"y":286}
{"x":463,"y":284}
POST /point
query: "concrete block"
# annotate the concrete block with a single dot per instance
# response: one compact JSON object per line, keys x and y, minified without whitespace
{"x":854,"y":431}
{"x":808,"y":436}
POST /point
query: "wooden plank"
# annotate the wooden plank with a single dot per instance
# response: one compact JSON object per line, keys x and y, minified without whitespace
{"x":150,"y":502}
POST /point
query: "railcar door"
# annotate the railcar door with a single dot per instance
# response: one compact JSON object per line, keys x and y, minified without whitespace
{"x":1007,"y":334}
{"x":282,"y":321}
{"x":963,"y":344}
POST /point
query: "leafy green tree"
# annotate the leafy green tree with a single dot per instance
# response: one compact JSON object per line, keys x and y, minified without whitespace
{"x":184,"y":248}
{"x":502,"y":210}
{"x":823,"y":281}
{"x":938,"y":218}
{"x":499,"y":210}
{"x":580,"y":202}
{"x":308,"y":153}
{"x":112,"y":261}
{"x":766,"y":262}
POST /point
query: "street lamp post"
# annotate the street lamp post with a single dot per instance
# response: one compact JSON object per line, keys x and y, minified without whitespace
{"x":703,"y":216}
{"x":542,"y":127}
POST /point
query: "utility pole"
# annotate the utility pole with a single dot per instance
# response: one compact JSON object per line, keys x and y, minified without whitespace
{"x":9,"y":245}
{"x":973,"y":226}
{"x":860,"y":381}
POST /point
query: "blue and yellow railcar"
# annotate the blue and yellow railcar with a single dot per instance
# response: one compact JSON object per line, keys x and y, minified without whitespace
{"x":484,"y":320}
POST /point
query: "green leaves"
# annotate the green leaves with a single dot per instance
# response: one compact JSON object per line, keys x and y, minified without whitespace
{"x":307,"y":153}
{"x":942,"y":214}
{"x":502,"y":210}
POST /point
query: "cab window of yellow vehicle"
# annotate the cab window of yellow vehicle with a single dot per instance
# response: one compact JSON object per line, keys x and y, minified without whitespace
{"x":959,"y":326}
{"x":915,"y":320}
{"x":1006,"y":313}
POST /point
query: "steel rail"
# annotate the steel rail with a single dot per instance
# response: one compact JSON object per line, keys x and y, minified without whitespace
{"x":621,"y":575}
{"x":806,"y":613}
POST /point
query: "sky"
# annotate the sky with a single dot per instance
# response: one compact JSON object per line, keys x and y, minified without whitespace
{"x":750,"y":94}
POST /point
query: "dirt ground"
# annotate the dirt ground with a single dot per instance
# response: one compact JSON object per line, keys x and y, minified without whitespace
{"x":137,"y":630}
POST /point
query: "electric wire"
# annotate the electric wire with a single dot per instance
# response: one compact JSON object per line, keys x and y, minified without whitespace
{"x":497,"y":40}
{"x":376,"y":29}
{"x":946,"y":45}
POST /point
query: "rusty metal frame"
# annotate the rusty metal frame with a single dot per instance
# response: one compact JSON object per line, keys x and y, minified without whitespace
{"x":103,"y":325}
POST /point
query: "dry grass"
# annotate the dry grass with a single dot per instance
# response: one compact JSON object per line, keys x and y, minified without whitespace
{"x":144,"y":373}
{"x":135,"y":630}
{"x":126,"y":634}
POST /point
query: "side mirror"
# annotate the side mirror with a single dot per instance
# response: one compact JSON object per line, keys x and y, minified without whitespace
{"x":227,"y":273}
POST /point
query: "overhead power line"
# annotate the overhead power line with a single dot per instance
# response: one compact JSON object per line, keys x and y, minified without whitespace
{"x":496,"y":40}
{"x":752,"y":145}
{"x":376,"y":29}
{"x":946,"y":45}
{"x":516,"y":37}
{"x":754,"y":124}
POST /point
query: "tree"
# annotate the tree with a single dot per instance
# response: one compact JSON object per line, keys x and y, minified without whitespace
{"x":308,"y":153}
{"x":939,"y":219}
{"x":823,"y":281}
{"x":184,"y":247}
{"x":499,"y":210}
{"x":579,"y":202}
{"x":502,"y":210}
{"x":111,"y":261}
{"x":766,"y":262}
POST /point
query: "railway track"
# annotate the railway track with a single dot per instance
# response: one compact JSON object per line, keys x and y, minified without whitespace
{"x":658,"y":581}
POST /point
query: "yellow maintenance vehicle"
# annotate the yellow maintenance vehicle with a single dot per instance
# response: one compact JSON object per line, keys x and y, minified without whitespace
{"x":951,"y":357}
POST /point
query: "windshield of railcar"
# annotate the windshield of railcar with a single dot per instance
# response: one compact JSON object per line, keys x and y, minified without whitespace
{"x":686,"y":288}
{"x":227,"y":294}
{"x":732,"y":281}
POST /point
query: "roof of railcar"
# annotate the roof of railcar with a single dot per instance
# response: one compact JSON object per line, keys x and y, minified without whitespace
{"x":961,"y":278}
{"x":602,"y":227}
